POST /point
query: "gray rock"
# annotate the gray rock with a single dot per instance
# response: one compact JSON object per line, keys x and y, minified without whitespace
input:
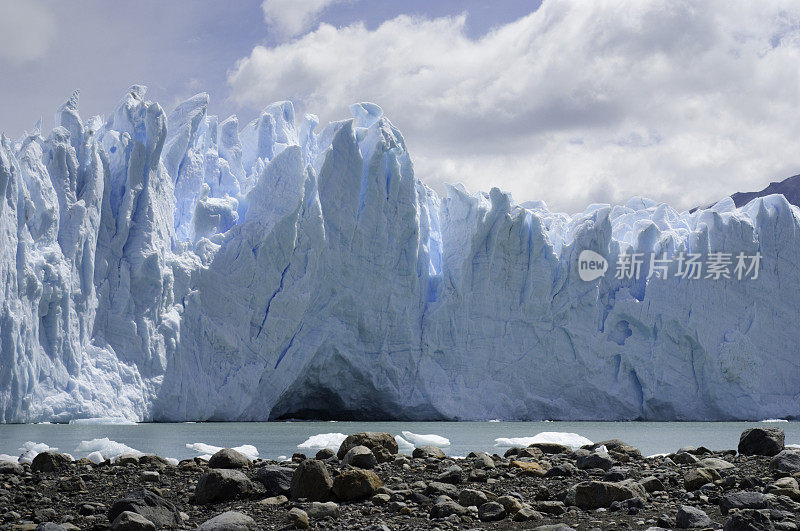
{"x":453,"y":475}
{"x":597,"y":494}
{"x":276,"y":479}
{"x":742,"y":500}
{"x":152,"y":460}
{"x":356,"y":484}
{"x":50,"y":526}
{"x":685,"y":458}
{"x":510,"y":504}
{"x":562,"y":470}
{"x":554,"y":527}
{"x":370,"y":440}
{"x":697,"y":477}
{"x":617,"y":447}
{"x":553,"y":507}
{"x":484,"y":461}
{"x":298,"y":518}
{"x":325,"y":453}
{"x":749,"y":520}
{"x":474,"y":497}
{"x":651,"y":484}
{"x":691,"y":517}
{"x":428,"y":450}
{"x":148,"y":504}
{"x":761,"y":441}
{"x":715,"y":463}
{"x":435,"y":488}
{"x":491,"y":512}
{"x":228,"y":458}
{"x":50,"y":462}
{"x":616,"y":473}
{"x":150,"y":476}
{"x":222,"y":484}
{"x":229,"y":521}
{"x":786,"y":461}
{"x":361,"y":457}
{"x":444,"y":508}
{"x":127,"y":459}
{"x":9,"y":468}
{"x":527,"y":513}
{"x":595,"y":460}
{"x":318,"y":510}
{"x":311,"y":481}
{"x":130,"y":521}
{"x":551,"y":448}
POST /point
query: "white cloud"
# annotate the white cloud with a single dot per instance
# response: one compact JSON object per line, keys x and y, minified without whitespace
{"x":26,"y":30}
{"x":292,"y":17}
{"x":577,"y":102}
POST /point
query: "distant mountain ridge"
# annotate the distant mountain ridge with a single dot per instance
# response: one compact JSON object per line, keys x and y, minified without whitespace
{"x":790,"y":188}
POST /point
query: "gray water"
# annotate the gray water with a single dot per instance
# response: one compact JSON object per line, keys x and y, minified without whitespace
{"x":274,"y":439}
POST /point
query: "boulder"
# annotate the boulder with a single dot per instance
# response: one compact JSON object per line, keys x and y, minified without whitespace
{"x":528,"y":467}
{"x":370,"y":440}
{"x":229,"y":521}
{"x":595,"y":460}
{"x":715,"y":463}
{"x":428,"y":450}
{"x":148,"y":504}
{"x":749,"y":520}
{"x":222,"y":484}
{"x":325,"y":453}
{"x":551,"y":448}
{"x":276,"y":479}
{"x":651,"y":484}
{"x":474,"y":497}
{"x":685,"y":458}
{"x":311,"y":481}
{"x":361,"y":457}
{"x":50,"y":462}
{"x":742,"y":500}
{"x":618,"y":449}
{"x":691,"y":518}
{"x":130,"y":521}
{"x":483,"y":460}
{"x":50,"y":526}
{"x":356,"y":484}
{"x":597,"y":494}
{"x":761,"y":441}
{"x":298,"y":518}
{"x":616,"y":473}
{"x":787,"y":461}
{"x":697,"y":477}
{"x":319,"y":510}
{"x":445,"y":507}
{"x":228,"y":458}
{"x":9,"y":468}
{"x":491,"y":512}
{"x":453,"y":475}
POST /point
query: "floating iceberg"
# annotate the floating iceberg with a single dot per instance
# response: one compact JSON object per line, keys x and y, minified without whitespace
{"x":178,"y":267}
{"x":107,"y":448}
{"x":420,"y":440}
{"x":568,"y":439}
{"x":323,"y":440}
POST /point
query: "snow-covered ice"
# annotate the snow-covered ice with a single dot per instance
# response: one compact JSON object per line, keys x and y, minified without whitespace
{"x":182,"y":267}
{"x":323,"y":440}
{"x":403,"y":444}
{"x":107,"y":448}
{"x":420,"y":440}
{"x":568,"y":439}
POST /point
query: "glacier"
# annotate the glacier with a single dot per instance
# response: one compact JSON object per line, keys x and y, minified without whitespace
{"x":175,"y":267}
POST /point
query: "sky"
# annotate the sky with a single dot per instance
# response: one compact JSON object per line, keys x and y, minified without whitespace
{"x":568,"y":101}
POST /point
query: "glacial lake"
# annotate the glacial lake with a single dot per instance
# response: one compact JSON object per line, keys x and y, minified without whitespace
{"x":275,"y":439}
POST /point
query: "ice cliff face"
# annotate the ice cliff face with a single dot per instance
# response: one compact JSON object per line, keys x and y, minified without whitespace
{"x":175,"y":267}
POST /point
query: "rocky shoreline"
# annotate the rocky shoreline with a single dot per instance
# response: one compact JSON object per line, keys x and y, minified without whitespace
{"x":367,"y":484}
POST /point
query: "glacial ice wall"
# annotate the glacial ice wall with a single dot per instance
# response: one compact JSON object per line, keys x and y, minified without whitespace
{"x":175,"y":267}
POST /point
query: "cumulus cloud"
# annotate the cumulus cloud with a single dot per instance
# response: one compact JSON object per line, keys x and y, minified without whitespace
{"x":292,"y":17}
{"x":578,"y":102}
{"x":26,"y":30}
